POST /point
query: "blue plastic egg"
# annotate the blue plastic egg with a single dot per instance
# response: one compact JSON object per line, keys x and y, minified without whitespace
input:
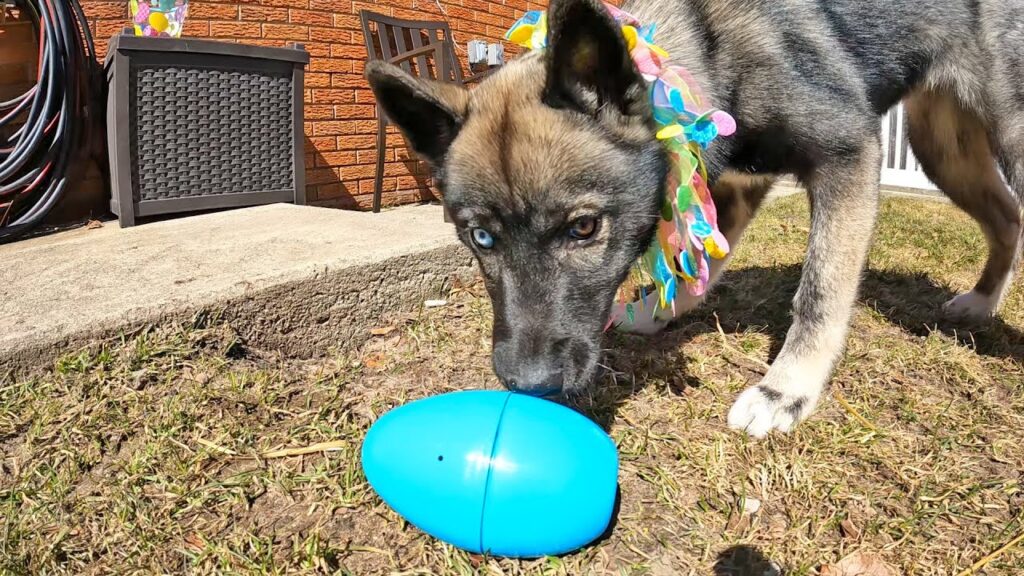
{"x":495,"y":472}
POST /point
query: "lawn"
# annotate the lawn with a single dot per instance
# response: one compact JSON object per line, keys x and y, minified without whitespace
{"x":161,"y":451}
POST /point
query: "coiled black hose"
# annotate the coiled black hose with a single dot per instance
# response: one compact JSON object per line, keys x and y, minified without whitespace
{"x":34,"y":160}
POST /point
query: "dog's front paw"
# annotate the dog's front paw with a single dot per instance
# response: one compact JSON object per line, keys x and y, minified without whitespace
{"x":761,"y":409}
{"x":643,"y":327}
{"x":645,"y":320}
{"x":970,"y":306}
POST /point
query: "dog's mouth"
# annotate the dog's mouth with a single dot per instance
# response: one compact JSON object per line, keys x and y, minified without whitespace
{"x":546,"y":370}
{"x":547,"y":393}
{"x":563,"y":393}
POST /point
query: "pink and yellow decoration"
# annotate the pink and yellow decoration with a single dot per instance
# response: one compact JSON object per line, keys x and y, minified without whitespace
{"x":164,"y":18}
{"x":687,"y":236}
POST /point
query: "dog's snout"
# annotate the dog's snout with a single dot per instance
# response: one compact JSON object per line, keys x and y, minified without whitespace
{"x":537,"y":375}
{"x":540,"y":384}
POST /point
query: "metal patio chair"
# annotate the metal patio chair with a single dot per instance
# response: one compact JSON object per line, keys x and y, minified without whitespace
{"x":422,"y":48}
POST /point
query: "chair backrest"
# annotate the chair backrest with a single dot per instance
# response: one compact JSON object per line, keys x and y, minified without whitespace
{"x":421,"y":47}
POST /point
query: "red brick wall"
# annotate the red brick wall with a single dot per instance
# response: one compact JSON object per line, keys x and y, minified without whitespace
{"x":340,"y":115}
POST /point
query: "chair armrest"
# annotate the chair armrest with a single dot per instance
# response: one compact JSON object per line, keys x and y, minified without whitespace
{"x":432,"y":48}
{"x":472,"y":78}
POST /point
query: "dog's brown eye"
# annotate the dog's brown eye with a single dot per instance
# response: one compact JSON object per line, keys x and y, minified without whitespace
{"x":583,"y":228}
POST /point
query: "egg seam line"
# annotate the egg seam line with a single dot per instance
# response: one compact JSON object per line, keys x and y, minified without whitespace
{"x":490,"y":469}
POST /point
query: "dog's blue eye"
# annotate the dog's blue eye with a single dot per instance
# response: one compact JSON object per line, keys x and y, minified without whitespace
{"x":482,"y":238}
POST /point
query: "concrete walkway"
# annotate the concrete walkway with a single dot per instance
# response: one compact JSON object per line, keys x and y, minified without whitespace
{"x":301,"y":280}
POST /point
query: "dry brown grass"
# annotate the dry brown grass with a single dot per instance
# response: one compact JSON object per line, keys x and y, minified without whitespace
{"x":144,"y":454}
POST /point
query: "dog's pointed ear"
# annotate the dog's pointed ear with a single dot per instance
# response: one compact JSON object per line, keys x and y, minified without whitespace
{"x":588,"y":63}
{"x":428,"y":113}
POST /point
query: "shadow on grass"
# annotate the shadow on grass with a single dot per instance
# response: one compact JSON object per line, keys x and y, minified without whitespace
{"x":760,"y":299}
{"x":614,"y":521}
{"x":744,"y":561}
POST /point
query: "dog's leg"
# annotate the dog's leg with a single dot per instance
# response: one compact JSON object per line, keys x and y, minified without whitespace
{"x":1011,"y":146}
{"x":737,"y":198}
{"x":1011,"y":157}
{"x":845,"y":202}
{"x":952,"y":145}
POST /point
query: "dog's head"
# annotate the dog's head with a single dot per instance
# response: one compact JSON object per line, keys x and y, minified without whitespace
{"x":554,"y":178}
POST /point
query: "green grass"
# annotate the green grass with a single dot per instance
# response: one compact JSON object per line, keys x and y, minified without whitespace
{"x":143,"y":454}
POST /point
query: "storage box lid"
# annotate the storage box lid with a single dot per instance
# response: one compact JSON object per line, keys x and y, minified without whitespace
{"x":128,"y":41}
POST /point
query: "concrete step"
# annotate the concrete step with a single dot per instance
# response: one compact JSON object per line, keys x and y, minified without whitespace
{"x":298,"y":279}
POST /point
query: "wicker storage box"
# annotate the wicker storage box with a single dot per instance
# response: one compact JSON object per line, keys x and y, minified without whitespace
{"x":198,"y":125}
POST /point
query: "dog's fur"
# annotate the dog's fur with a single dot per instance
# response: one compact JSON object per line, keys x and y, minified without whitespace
{"x":568,"y":134}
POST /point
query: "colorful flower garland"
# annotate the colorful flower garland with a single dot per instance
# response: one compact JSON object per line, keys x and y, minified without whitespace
{"x":158,"y":17}
{"x":687,"y":237}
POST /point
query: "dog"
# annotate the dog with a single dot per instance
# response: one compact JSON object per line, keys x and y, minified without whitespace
{"x":552,"y":174}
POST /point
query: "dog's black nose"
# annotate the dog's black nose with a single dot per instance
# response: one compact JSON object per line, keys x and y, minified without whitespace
{"x":533,"y":376}
{"x":551,"y":387}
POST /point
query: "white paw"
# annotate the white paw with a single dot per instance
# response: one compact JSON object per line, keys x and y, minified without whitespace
{"x":645,"y":327}
{"x":761,"y":409}
{"x":647,"y":320}
{"x":970,"y":306}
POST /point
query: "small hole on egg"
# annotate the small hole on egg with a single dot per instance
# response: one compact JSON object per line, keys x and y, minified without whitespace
{"x":440,"y":458}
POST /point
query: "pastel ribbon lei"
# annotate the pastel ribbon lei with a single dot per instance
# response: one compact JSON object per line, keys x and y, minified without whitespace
{"x":687,"y":236}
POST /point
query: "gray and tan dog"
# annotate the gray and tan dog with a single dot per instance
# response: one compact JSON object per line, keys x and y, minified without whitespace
{"x":554,"y":178}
